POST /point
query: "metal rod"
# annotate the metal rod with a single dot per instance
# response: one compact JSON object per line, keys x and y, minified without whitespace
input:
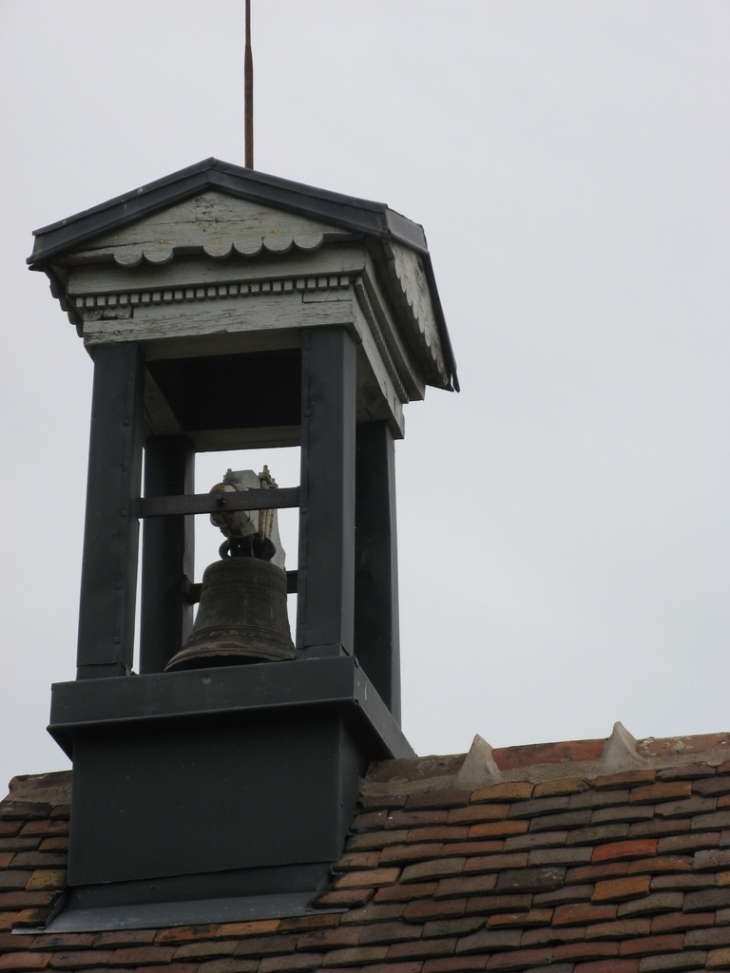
{"x":210,"y":503}
{"x":248,"y":88}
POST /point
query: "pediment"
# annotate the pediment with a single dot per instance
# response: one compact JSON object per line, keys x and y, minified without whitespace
{"x":212,"y":223}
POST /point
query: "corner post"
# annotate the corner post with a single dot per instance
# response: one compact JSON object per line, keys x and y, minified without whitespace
{"x":326,"y":580}
{"x":111,"y":534}
{"x":377,"y":644}
{"x":168,"y":545}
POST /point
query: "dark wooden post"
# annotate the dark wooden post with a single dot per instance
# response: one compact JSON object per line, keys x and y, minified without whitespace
{"x":326,"y":580}
{"x":377,"y":645}
{"x":168,"y":545}
{"x":111,"y":534}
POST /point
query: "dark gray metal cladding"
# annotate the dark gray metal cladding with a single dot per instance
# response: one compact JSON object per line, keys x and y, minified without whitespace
{"x":111,"y":536}
{"x":226,"y":786}
{"x":326,"y":579}
{"x":377,"y":640}
{"x":167,"y":553}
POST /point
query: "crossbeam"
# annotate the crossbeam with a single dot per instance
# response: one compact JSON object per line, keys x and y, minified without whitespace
{"x":211,"y":503}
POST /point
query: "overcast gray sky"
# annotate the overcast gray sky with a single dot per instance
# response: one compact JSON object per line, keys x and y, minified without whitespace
{"x":564,"y":522}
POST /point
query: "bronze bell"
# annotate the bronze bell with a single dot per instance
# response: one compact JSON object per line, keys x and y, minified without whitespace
{"x":242,"y":614}
{"x":241,"y":617}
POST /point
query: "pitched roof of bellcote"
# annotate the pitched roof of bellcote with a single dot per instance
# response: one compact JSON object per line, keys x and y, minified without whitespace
{"x":598,"y":856}
{"x":372,"y":219}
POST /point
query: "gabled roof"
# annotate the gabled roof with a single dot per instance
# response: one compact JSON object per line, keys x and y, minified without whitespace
{"x":364,"y":216}
{"x":564,"y":862}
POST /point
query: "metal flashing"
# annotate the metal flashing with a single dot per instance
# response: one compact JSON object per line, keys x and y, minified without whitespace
{"x":152,"y":915}
{"x":241,"y":691}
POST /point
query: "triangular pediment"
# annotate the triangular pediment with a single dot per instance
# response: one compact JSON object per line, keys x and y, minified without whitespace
{"x":213,"y":223}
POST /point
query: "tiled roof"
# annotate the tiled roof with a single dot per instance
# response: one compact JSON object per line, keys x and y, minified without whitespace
{"x":554,"y":865}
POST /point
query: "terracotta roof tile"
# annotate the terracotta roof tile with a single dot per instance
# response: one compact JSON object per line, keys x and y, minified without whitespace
{"x":655,"y":902}
{"x":684,"y":881}
{"x":487,"y":905}
{"x":686,"y":961}
{"x":535,"y":917}
{"x":630,"y":778}
{"x":542,"y":839}
{"x":621,"y":850}
{"x":706,"y":899}
{"x":568,"y":785}
{"x":619,"y":889}
{"x":711,"y":786}
{"x":475,"y":884}
{"x":439,"y":799}
{"x":608,"y":966}
{"x":657,"y":828}
{"x":425,"y":909}
{"x":412,"y":819}
{"x":411,"y":853}
{"x":229,"y":966}
{"x":478,"y":812}
{"x":406,"y":893}
{"x":650,"y":793}
{"x":515,"y":791}
{"x":620,"y":929}
{"x":472,"y":847}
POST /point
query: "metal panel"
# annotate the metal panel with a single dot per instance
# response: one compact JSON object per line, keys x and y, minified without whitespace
{"x":167,"y":554}
{"x":241,"y":692}
{"x":111,"y":535}
{"x":210,"y":885}
{"x":161,"y":915}
{"x":326,"y":582}
{"x":377,"y":645}
{"x":209,"y":797}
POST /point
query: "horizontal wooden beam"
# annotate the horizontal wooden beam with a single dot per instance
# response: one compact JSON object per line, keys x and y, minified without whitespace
{"x":210,"y":503}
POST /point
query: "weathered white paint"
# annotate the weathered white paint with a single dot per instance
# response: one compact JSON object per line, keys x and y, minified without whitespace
{"x":213,"y":223}
{"x":416,"y":301}
{"x":380,"y":318}
{"x":186,"y":271}
{"x":154,"y":320}
{"x":219,"y":275}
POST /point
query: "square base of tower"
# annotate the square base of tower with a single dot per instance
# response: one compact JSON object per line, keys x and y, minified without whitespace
{"x":224,"y":786}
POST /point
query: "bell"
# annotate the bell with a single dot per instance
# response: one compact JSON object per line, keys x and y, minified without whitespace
{"x":241,"y":617}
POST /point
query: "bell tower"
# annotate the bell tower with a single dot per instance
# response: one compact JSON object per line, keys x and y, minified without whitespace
{"x":226,"y":309}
